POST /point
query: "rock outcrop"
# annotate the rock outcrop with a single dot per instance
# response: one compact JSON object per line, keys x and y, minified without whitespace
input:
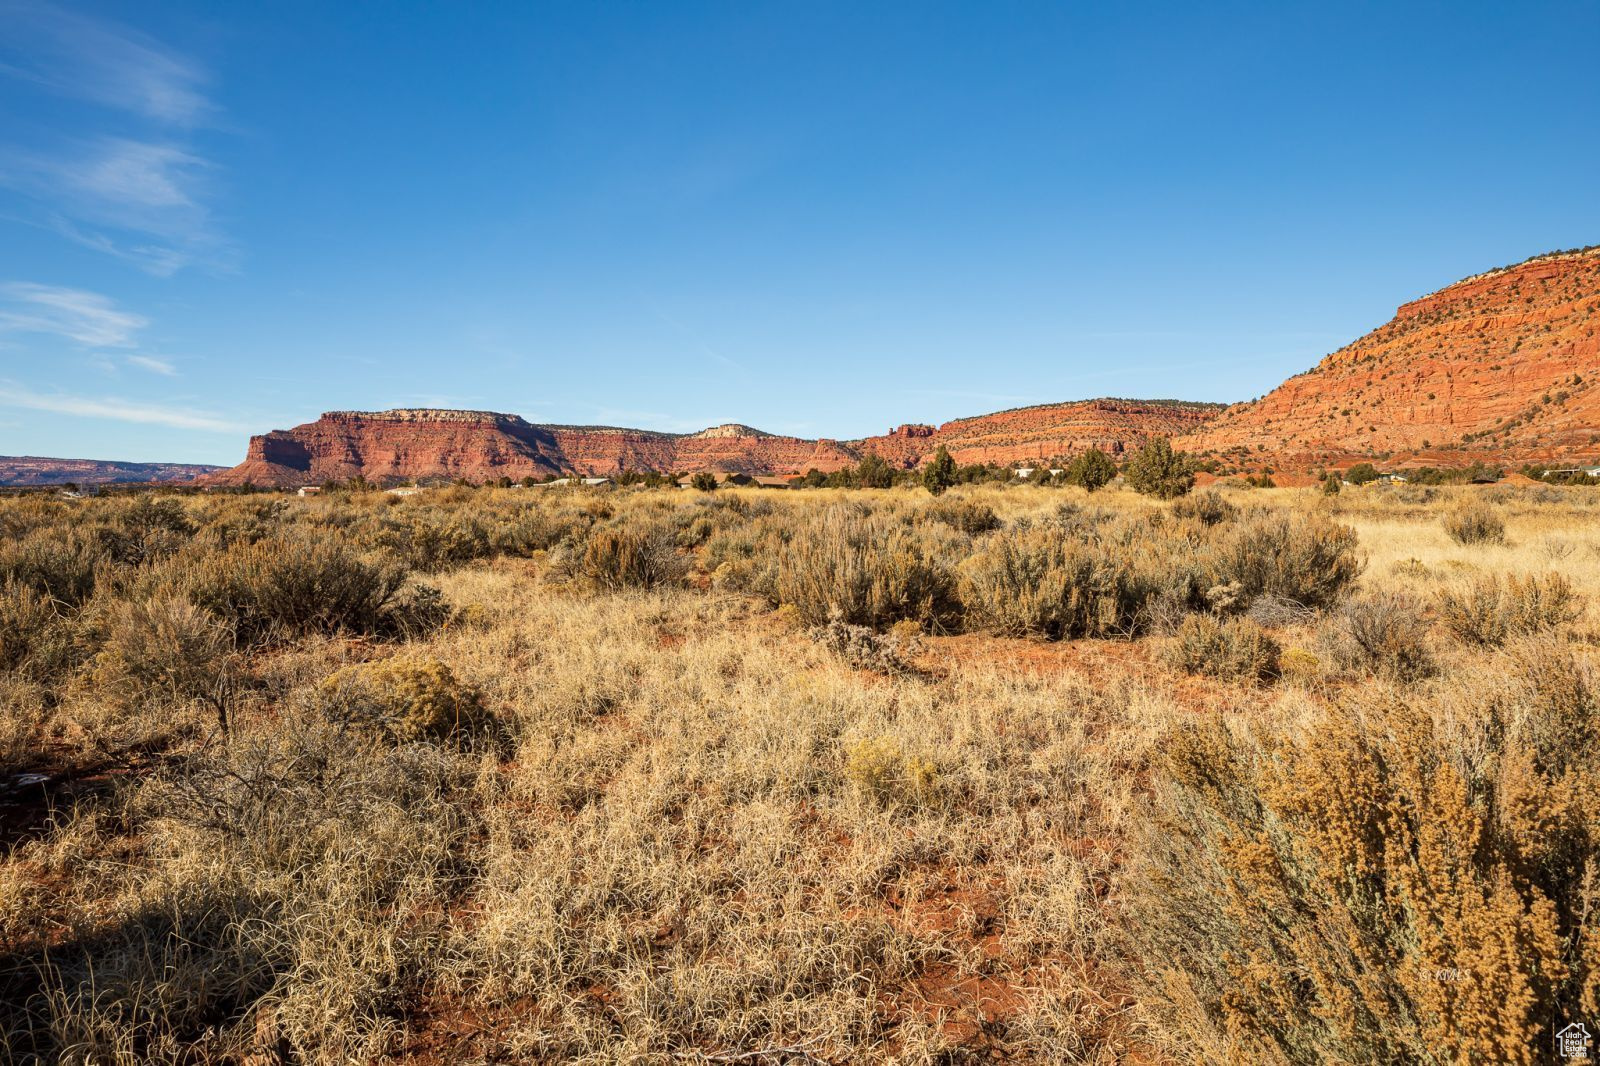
{"x":1046,"y":431}
{"x":431,"y":444}
{"x":1502,"y":366}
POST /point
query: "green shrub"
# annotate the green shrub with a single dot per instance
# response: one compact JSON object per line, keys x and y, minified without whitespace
{"x":940,"y":473}
{"x":1156,"y":470}
{"x":405,"y":699}
{"x":870,"y":569}
{"x":873,"y":472}
{"x":1490,"y":611}
{"x":1090,"y":470}
{"x":1361,"y":474}
{"x":1234,"y":649}
{"x":1475,"y":522}
{"x":704,"y":481}
{"x":1306,"y":558}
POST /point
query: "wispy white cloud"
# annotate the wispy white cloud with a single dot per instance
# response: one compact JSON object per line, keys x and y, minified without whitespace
{"x":139,"y":193}
{"x":137,"y":175}
{"x":85,"y":317}
{"x":154,"y":365}
{"x":113,"y":408}
{"x":162,"y":260}
{"x":145,"y":201}
{"x":102,"y":62}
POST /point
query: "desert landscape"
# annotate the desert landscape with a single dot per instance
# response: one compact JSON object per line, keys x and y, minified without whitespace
{"x":822,"y":534}
{"x":1009,"y":772}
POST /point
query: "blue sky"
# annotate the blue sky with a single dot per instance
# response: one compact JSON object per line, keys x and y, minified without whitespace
{"x":821,"y":219}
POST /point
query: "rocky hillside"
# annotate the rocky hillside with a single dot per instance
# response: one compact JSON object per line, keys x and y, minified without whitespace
{"x":1045,"y":431}
{"x":1503,"y":365}
{"x":27,"y":470}
{"x":482,"y":445}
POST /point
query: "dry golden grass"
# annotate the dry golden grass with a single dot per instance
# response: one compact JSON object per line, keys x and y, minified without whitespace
{"x":647,"y":787}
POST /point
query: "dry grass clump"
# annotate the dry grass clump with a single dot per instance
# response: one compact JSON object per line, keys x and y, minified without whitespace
{"x":1375,"y":879}
{"x":971,"y":517}
{"x":867,"y":569}
{"x":290,"y":910}
{"x":1036,"y":581}
{"x":1384,"y":634}
{"x":1492,"y":610}
{"x":622,"y":558}
{"x":1306,"y":558}
{"x":280,"y":588}
{"x":1233,"y":648}
{"x":34,"y":640}
{"x":59,"y":562}
{"x":406,"y":699}
{"x":1475,"y":522}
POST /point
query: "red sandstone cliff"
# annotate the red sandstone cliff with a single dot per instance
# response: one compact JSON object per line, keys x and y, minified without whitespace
{"x":1502,"y":365}
{"x":481,"y":445}
{"x":1044,"y":432}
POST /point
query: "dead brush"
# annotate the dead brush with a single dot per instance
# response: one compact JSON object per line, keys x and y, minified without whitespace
{"x":1036,"y":582}
{"x":1491,"y":610}
{"x":968,"y":516}
{"x":62,"y":562}
{"x":1475,"y":522}
{"x":1384,"y":635}
{"x":166,"y":648}
{"x":1306,"y":558}
{"x":35,"y":640}
{"x":865,"y":648}
{"x":1232,"y":649}
{"x":616,"y":559}
{"x":1208,"y":508}
{"x":869,"y":570}
{"x":1365,"y":880}
{"x":277,"y":589}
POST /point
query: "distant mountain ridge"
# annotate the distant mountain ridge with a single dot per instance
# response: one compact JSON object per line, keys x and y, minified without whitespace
{"x":1502,"y":366}
{"x":29,"y":470}
{"x":432,"y":443}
